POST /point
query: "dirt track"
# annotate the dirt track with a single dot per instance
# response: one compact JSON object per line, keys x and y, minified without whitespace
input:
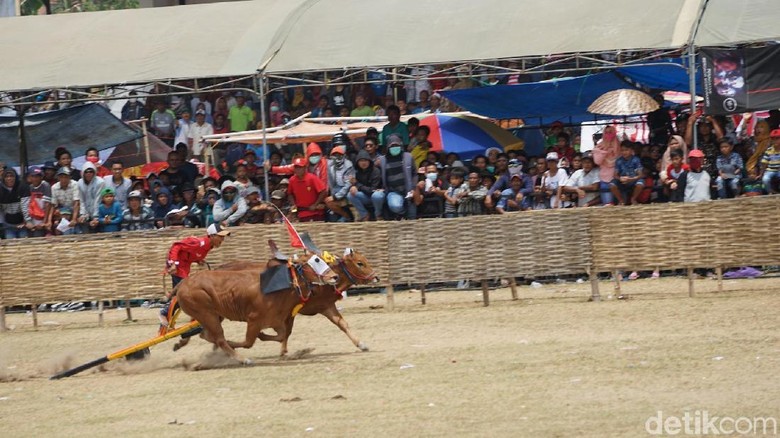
{"x":547,"y":365}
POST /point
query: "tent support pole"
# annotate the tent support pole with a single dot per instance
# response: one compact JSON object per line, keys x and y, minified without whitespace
{"x":692,"y":68}
{"x":22,"y":144}
{"x":146,"y":141}
{"x":260,"y":85}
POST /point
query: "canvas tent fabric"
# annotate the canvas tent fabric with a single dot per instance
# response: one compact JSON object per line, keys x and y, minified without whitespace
{"x":727,"y":22}
{"x":140,"y":45}
{"x":76,"y":128}
{"x":566,"y":99}
{"x":143,"y":45}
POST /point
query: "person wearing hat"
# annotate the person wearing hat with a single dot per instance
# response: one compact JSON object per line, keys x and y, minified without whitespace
{"x":398,"y":178}
{"x":64,"y":201}
{"x":316,"y":164}
{"x":199,"y":129}
{"x":50,"y":172}
{"x":585,"y":183}
{"x":230,"y":207}
{"x":14,"y":196}
{"x":181,"y":256}
{"x":279,"y":199}
{"x":256,"y":208}
{"x":694,"y":184}
{"x":554,"y":178}
{"x":109,"y":213}
{"x":90,"y":187}
{"x":38,"y":208}
{"x":137,"y":216}
{"x":307,"y":193}
{"x":340,"y":172}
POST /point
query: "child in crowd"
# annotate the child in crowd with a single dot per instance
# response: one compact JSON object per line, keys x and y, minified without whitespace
{"x":770,"y":163}
{"x":673,"y":172}
{"x":730,"y":166}
{"x":453,"y":195}
{"x":109,"y":217}
{"x":752,"y":185}
{"x":628,"y":181}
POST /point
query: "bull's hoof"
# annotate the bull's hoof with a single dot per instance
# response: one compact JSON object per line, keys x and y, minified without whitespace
{"x":362,"y":346}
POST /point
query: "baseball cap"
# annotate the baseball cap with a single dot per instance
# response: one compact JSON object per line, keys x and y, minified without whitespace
{"x":588,"y":155}
{"x":36,"y":171}
{"x":552,"y":156}
{"x":697,"y":153}
{"x":63,"y":171}
{"x":299,"y":162}
{"x":278,"y":194}
{"x":217,"y":229}
{"x":200,"y":112}
{"x":394,"y":140}
{"x":49,"y":165}
{"x":775,"y":133}
{"x":338,"y":150}
{"x":284,"y":181}
{"x":251,"y":189}
{"x":516,"y":175}
{"x":135,"y":194}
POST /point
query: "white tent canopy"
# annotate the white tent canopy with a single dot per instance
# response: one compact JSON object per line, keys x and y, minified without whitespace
{"x":281,"y":36}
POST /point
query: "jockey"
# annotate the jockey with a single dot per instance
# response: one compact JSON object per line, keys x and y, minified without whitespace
{"x":180,"y":257}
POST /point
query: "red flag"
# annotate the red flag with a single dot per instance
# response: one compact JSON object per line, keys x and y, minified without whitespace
{"x":295,"y":238}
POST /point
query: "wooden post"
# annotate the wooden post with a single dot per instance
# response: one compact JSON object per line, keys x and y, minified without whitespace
{"x":390,"y":298}
{"x":691,"y":292}
{"x":594,"y":286}
{"x":513,"y":287}
{"x":719,"y":273}
{"x":129,"y":314}
{"x":485,"y":293}
{"x":100,"y":313}
{"x":422,"y":294}
{"x":35,"y":315}
{"x":146,"y":142}
{"x":616,"y":274}
{"x":3,"y":327}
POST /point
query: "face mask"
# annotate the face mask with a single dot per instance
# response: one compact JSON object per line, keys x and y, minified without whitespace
{"x":274,"y":108}
{"x":314,"y":159}
{"x":395,"y":150}
{"x":432,"y":176}
{"x":132,"y":100}
{"x":609,"y":136}
{"x":92,"y":160}
{"x":491,"y":169}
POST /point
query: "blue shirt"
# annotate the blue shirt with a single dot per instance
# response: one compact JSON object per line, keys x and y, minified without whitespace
{"x":629,"y":168}
{"x":503,"y":203}
{"x":114,"y":213}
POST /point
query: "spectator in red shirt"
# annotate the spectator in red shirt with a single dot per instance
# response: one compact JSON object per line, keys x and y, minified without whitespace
{"x":317,"y":163}
{"x":307,"y":193}
{"x":181,"y":256}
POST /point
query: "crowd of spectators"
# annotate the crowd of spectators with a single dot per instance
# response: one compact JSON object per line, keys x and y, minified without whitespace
{"x":390,"y":174}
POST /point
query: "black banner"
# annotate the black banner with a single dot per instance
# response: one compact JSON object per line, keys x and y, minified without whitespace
{"x":741,"y":80}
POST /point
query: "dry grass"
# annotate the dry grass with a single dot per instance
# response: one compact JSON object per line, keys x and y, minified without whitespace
{"x":548,"y":365}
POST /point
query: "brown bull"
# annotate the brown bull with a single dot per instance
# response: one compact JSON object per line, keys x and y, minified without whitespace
{"x":322,"y":300}
{"x":211,"y":296}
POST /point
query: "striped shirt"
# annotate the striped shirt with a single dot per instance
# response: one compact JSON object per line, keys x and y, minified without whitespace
{"x":771,"y":160}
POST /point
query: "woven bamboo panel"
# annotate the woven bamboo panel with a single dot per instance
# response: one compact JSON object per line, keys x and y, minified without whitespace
{"x":484,"y":247}
{"x":734,"y":232}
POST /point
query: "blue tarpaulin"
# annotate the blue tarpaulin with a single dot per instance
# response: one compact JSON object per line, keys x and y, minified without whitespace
{"x":566,"y":99}
{"x":76,"y":128}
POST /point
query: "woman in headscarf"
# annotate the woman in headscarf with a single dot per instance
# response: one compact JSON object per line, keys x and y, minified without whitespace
{"x":761,"y":144}
{"x":675,"y":142}
{"x":605,"y":154}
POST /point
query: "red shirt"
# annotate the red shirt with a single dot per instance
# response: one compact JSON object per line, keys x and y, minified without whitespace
{"x":306,"y":190}
{"x":188,"y":251}
{"x":670,"y":169}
